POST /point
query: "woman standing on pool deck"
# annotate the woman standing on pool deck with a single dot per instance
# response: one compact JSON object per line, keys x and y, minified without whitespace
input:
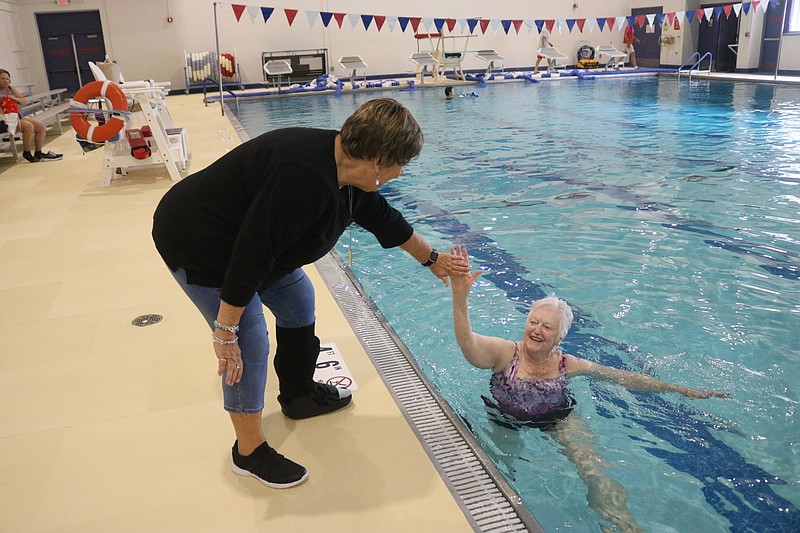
{"x":529,"y":384}
{"x":236,"y":234}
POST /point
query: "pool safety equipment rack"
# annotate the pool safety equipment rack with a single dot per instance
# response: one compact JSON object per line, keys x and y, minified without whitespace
{"x":489,"y":503}
{"x":203,"y":69}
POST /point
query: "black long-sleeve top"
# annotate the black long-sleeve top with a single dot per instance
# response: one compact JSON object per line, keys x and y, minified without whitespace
{"x":264,"y":209}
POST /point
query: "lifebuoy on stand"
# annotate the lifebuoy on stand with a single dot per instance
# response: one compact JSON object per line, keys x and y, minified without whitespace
{"x":98,"y":133}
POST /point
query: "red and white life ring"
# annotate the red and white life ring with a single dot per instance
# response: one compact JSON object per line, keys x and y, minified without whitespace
{"x":99,"y":132}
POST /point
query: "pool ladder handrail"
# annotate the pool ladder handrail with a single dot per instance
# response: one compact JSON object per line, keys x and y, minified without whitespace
{"x":696,"y":65}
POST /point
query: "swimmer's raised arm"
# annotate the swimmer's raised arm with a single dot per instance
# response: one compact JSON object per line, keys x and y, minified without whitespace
{"x":480,"y":350}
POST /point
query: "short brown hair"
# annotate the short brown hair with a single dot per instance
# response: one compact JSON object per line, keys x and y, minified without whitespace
{"x":382,"y":128}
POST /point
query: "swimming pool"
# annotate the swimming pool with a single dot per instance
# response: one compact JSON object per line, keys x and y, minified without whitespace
{"x":667,"y":215}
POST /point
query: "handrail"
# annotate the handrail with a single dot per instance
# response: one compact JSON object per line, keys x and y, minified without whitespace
{"x":696,"y":65}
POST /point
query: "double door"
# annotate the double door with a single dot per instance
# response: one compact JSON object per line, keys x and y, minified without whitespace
{"x":69,"y":41}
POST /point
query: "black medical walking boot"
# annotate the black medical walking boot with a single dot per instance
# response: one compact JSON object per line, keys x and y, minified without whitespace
{"x":295,"y":361}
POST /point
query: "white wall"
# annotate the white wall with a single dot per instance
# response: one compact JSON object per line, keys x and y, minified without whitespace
{"x":139,"y":38}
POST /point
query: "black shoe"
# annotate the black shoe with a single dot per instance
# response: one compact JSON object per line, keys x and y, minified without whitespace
{"x":268,"y":466}
{"x":30,"y":157}
{"x":321,"y":400}
{"x":49,"y":156}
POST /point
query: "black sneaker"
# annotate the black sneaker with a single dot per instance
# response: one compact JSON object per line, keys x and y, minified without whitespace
{"x":30,"y":157}
{"x":50,"y":156}
{"x":268,"y":466}
{"x":321,"y":400}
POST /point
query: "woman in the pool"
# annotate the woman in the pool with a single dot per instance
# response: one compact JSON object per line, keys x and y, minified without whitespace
{"x":529,"y":383}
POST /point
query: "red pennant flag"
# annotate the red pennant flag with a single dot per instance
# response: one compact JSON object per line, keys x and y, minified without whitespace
{"x":379,"y":20}
{"x":641,"y":20}
{"x":670,"y":18}
{"x":290,"y":15}
{"x":339,"y":17}
{"x":517,"y":25}
{"x":414,"y":23}
{"x":727,"y":9}
{"x":581,"y":23}
{"x":610,"y":21}
{"x":700,"y":13}
{"x":484,"y":24}
{"x":755,"y":4}
{"x":549,"y":25}
{"x":238,"y":9}
{"x":451,"y":24}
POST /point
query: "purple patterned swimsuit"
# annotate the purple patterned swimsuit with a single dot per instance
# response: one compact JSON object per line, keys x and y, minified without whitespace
{"x":545,"y":400}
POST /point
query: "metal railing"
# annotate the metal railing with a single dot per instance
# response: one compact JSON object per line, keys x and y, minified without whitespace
{"x":695,"y":67}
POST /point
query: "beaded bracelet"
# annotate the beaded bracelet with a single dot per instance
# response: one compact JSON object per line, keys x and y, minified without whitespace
{"x":232,"y":329}
{"x":223,"y":342}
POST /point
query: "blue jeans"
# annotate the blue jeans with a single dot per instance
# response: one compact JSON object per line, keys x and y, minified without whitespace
{"x":291,"y":301}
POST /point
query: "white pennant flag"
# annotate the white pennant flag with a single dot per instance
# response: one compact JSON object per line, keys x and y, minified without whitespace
{"x":462,"y":25}
{"x":590,"y":24}
{"x":709,"y":12}
{"x":622,"y":22}
{"x":495,"y":24}
{"x":651,"y":19}
{"x":253,"y":12}
{"x":560,"y":24}
{"x":528,"y":25}
{"x":737,"y":8}
{"x":764,"y":5}
{"x":353,"y":18}
{"x":391,"y":21}
{"x":427,"y":22}
{"x":681,"y":14}
{"x":312,"y":16}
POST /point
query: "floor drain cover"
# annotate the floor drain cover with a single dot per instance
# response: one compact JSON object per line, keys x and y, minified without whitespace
{"x":146,"y":320}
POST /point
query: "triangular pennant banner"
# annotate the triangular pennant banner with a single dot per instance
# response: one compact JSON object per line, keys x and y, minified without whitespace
{"x":506,"y":25}
{"x":539,"y":25}
{"x":601,"y":23}
{"x":238,"y":9}
{"x":651,"y":19}
{"x":690,"y":16}
{"x":631,"y":21}
{"x":670,"y":18}
{"x":462,"y":23}
{"x":680,"y":16}
{"x":517,"y":25}
{"x":737,"y":8}
{"x":471,"y":23}
{"x":367,"y":20}
{"x":529,"y":25}
{"x":290,"y":15}
{"x":549,"y":25}
{"x":755,"y":4}
{"x":727,"y":9}
{"x":484,"y":24}
{"x":312,"y":17}
{"x":581,"y":23}
{"x":403,"y":22}
{"x":764,"y":5}
{"x":339,"y":18}
{"x":610,"y":21}
{"x":700,"y":14}
{"x":379,"y":20}
{"x":451,"y":24}
{"x":252,"y":12}
{"x":717,"y":12}
{"x":325,"y":16}
{"x":438,"y":24}
{"x":746,"y":7}
{"x":640,"y":20}
{"x":496,"y":24}
{"x":660,"y":18}
{"x":415,"y":23}
{"x":570,"y":24}
{"x":391,"y":21}
{"x":427,"y":22}
{"x":266,"y":12}
{"x":353,"y":18}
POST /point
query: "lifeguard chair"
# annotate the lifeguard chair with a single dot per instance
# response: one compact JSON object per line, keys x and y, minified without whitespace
{"x":446,"y":59}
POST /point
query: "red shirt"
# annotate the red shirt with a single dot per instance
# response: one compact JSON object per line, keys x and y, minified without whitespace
{"x":629,"y":37}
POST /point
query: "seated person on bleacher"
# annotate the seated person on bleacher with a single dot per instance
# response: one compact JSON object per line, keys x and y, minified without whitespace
{"x":32,"y":129}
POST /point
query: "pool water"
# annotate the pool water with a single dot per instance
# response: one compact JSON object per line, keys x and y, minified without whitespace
{"x":667,"y":214}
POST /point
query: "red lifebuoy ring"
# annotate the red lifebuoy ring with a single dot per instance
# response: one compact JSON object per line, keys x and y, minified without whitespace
{"x":99,"y":132}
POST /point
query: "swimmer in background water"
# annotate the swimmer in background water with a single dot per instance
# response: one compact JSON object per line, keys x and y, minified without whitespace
{"x":448,"y":93}
{"x":529,"y":383}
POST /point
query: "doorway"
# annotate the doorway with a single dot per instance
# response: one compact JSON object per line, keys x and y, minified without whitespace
{"x":770,"y":44}
{"x":648,"y":49}
{"x":720,"y":36}
{"x":69,"y":41}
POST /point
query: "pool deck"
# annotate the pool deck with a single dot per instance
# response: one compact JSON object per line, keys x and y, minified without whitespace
{"x":112,"y":427}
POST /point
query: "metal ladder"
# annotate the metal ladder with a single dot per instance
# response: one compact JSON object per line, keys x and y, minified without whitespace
{"x":695,"y":67}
